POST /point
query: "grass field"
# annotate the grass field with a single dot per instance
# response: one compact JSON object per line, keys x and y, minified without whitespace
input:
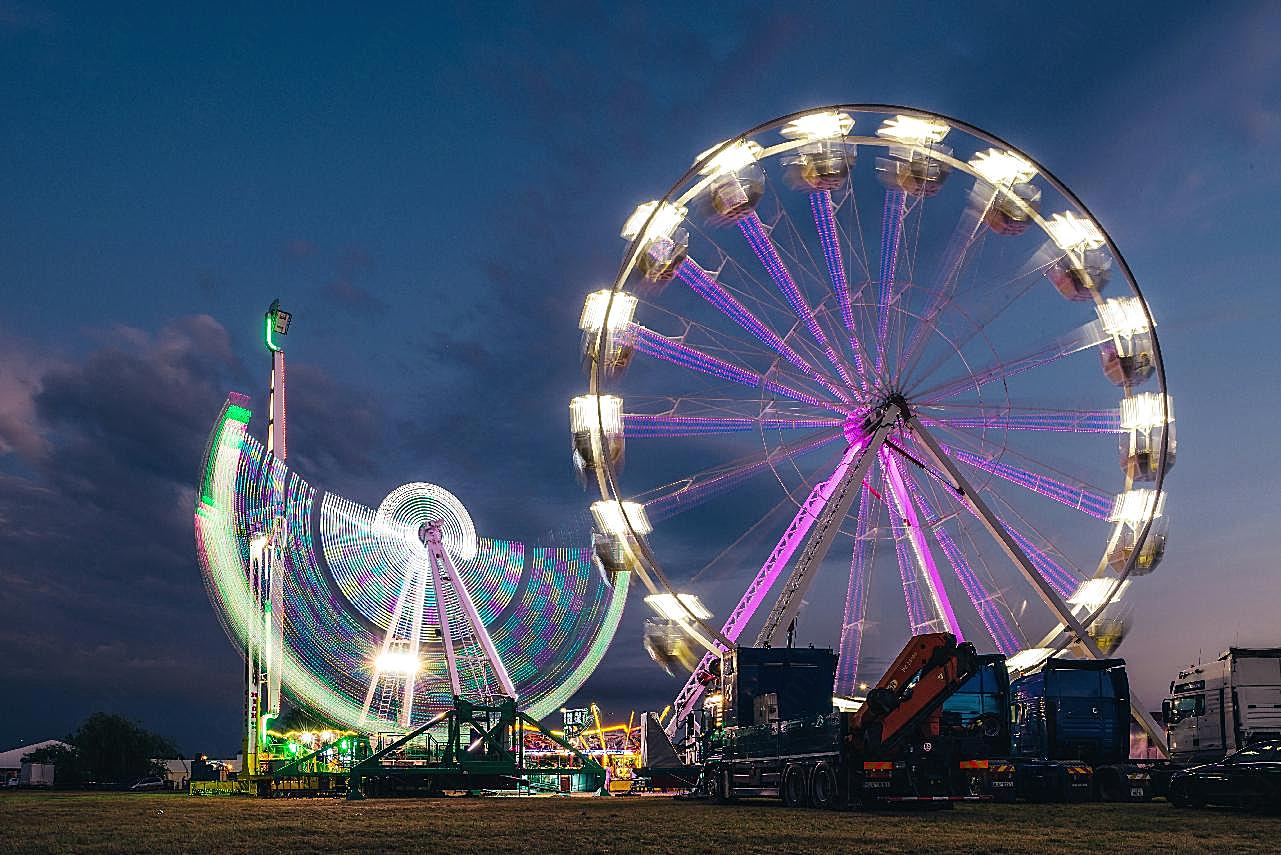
{"x":124,"y":822}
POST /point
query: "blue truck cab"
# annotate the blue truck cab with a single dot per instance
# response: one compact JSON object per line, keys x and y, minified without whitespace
{"x":1070,"y":733}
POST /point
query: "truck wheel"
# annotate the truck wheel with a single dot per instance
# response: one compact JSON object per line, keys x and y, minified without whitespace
{"x":1108,"y":782}
{"x":794,"y":789}
{"x":720,"y":786}
{"x":823,"y":789}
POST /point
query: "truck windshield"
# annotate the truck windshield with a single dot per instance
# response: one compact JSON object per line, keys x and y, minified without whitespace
{"x":1082,"y":684}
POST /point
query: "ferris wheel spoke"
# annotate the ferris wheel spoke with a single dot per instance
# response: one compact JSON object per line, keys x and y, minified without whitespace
{"x":690,"y":492}
{"x":709,"y":289}
{"x":1040,"y":420}
{"x":825,"y":224}
{"x":653,"y":344}
{"x":892,"y":217}
{"x":964,"y":236}
{"x":855,"y":617}
{"x":941,"y":605}
{"x":984,"y":603}
{"x":1074,"y":496}
{"x":1052,"y":582}
{"x":759,"y":240}
{"x":1084,"y":337}
{"x":644,"y":425}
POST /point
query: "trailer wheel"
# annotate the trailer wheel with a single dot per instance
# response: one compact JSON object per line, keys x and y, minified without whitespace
{"x":794,"y":786}
{"x":824,"y":793}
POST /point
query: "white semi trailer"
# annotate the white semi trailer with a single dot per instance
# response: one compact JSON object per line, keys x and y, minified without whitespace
{"x":1219,"y":707}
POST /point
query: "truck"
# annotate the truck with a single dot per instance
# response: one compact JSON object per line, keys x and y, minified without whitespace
{"x":35,"y":774}
{"x":773,"y":732}
{"x":1220,"y":707}
{"x":1069,"y":736}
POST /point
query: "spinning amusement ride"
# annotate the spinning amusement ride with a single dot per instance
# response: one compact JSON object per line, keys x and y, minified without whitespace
{"x":376,"y":619}
{"x":879,"y":344}
{"x":865,"y":357}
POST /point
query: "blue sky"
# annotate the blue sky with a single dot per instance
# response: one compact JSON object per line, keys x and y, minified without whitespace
{"x":432,"y":192}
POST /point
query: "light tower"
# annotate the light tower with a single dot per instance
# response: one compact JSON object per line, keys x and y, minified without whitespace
{"x":265,"y":639}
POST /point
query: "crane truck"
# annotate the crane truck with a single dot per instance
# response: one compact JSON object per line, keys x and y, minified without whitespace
{"x":774,"y":733}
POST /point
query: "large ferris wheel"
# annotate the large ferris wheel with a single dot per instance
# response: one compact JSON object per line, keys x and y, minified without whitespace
{"x":879,"y":363}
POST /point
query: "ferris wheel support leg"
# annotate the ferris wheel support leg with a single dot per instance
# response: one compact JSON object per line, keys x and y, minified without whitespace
{"x":842,"y":496}
{"x":1049,"y":596}
{"x":446,"y":635}
{"x":473,"y":617}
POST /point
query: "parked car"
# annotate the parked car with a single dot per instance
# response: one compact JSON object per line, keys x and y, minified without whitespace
{"x":152,"y":783}
{"x":1249,"y":778}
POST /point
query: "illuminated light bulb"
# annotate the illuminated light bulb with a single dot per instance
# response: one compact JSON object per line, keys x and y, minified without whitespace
{"x":1070,"y":232}
{"x":396,"y":662}
{"x":733,"y":157}
{"x":1123,"y":316}
{"x":911,"y":130}
{"x":1093,"y":593}
{"x":327,"y":736}
{"x":666,"y":217}
{"x":823,"y":125}
{"x":1135,"y":507}
{"x":1030,"y":658}
{"x":585,"y":417}
{"x":679,"y":607}
{"x":1002,"y":168}
{"x":611,"y":520}
{"x":1146,"y":410}
{"x":307,"y":737}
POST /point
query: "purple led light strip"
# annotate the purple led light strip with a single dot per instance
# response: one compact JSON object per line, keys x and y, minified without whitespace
{"x":1062,"y":347}
{"x":713,"y":292}
{"x":855,"y":602}
{"x":1063,"y":582}
{"x":773,"y":567}
{"x":754,"y":231}
{"x":983,"y":603}
{"x":825,"y":225}
{"x":916,"y":534}
{"x":891,"y":237}
{"x":1066,"y":421}
{"x":1087,"y":501}
{"x":644,"y":425}
{"x":649,"y":342}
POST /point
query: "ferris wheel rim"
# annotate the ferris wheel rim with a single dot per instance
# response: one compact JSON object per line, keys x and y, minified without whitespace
{"x":607,"y":479}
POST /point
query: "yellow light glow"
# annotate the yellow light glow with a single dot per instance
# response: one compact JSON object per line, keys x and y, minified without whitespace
{"x":1135,"y":507}
{"x":1093,"y":593}
{"x":1070,"y":232}
{"x":679,"y":608}
{"x":1146,"y":410}
{"x":1122,"y":316}
{"x":731,"y":158}
{"x":396,"y":662}
{"x":911,"y":130}
{"x":1002,"y":168}
{"x":611,"y":519}
{"x":823,"y":125}
{"x":666,"y":217}
{"x":584,"y":415}
{"x":1027,"y":659}
{"x":597,"y":303}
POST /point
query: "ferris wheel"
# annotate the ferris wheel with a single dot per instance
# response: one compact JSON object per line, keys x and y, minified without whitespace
{"x":879,"y":364}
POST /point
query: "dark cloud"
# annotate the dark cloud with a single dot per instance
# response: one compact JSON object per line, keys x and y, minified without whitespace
{"x":98,"y":581}
{"x":352,"y":296}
